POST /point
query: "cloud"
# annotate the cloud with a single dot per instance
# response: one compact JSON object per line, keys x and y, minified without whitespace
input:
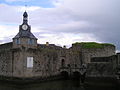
{"x":13,"y":14}
{"x":66,"y":39}
{"x":7,"y":33}
{"x":73,"y":27}
{"x":10,"y":1}
{"x":104,"y":16}
{"x":70,"y":21}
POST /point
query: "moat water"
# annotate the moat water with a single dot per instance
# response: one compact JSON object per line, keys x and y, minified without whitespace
{"x":62,"y":85}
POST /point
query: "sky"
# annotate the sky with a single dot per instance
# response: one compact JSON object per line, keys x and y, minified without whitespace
{"x":63,"y":22}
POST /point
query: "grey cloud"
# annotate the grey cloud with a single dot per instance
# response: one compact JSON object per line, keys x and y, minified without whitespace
{"x":102,"y":19}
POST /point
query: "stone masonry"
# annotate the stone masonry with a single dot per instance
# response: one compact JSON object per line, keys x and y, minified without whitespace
{"x":24,"y":57}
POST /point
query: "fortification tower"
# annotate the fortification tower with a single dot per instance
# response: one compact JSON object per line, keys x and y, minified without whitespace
{"x":24,"y":45}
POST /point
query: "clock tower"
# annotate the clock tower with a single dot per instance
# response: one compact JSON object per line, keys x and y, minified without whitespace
{"x":24,"y":37}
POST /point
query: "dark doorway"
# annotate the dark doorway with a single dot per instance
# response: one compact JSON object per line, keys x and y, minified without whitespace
{"x":63,"y":63}
{"x":76,"y":75}
{"x":65,"y":75}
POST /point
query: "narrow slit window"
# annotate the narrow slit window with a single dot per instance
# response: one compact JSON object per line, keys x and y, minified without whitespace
{"x":63,"y":63}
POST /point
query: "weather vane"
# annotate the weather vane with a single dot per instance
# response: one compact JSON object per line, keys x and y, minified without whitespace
{"x":25,"y":7}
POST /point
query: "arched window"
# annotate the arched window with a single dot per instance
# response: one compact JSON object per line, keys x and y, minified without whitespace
{"x":30,"y":41}
{"x":17,"y":41}
{"x":63,"y":63}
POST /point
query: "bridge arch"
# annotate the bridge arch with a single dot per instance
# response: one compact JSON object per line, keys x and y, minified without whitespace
{"x":76,"y":75}
{"x":64,"y":74}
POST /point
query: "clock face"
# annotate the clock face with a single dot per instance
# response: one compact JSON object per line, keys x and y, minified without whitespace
{"x":24,"y":27}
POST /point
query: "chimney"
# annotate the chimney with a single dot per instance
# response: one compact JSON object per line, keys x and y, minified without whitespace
{"x":64,"y":46}
{"x":47,"y":43}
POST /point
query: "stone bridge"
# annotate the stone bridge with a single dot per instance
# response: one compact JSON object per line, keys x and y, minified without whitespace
{"x":73,"y":72}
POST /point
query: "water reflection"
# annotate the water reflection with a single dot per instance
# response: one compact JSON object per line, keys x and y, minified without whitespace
{"x":60,"y":85}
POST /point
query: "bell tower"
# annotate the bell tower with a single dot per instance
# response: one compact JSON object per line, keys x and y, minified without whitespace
{"x":24,"y":37}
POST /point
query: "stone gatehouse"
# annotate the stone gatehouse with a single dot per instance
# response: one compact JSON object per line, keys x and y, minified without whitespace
{"x":24,"y":57}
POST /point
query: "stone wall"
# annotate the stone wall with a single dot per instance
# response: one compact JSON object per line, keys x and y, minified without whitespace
{"x":6,"y":59}
{"x":49,"y":59}
{"x":100,"y":70}
{"x":18,"y":62}
{"x":73,"y":58}
{"x":45,"y":61}
{"x":102,"y":66}
{"x":118,"y":57}
{"x":88,"y":53}
{"x":6,"y":46}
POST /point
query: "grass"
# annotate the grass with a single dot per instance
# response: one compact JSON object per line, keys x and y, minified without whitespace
{"x":92,"y":44}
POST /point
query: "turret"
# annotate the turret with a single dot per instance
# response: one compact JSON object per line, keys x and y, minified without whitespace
{"x":25,"y":37}
{"x":25,"y":17}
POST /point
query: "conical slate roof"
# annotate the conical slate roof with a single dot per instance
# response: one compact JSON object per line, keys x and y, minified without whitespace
{"x":23,"y":33}
{"x":25,"y":14}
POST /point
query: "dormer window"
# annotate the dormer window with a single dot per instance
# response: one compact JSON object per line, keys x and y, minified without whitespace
{"x":17,"y":41}
{"x":30,"y":41}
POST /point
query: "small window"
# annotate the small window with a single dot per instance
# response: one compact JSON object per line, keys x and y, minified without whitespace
{"x":17,"y":41}
{"x":62,"y":62}
{"x":30,"y":41}
{"x":29,"y":62}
